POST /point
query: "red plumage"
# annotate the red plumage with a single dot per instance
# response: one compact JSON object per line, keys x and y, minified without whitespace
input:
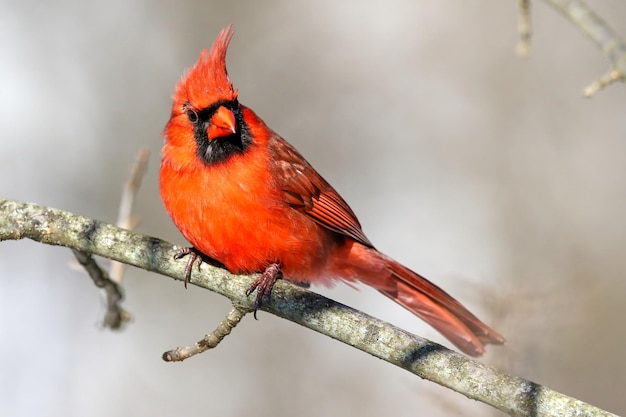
{"x":242,"y":195}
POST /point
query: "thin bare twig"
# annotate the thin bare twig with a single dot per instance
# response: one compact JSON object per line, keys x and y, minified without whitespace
{"x":600,"y":83}
{"x":125,"y":218}
{"x":115,"y":316}
{"x":523,"y":27}
{"x":601,"y":33}
{"x":428,"y":360}
{"x":209,"y":341}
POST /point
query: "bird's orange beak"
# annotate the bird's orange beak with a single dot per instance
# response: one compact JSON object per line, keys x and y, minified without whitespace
{"x":222,"y":124}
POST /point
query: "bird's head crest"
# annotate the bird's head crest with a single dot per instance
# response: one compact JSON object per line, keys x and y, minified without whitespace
{"x":207,"y":81}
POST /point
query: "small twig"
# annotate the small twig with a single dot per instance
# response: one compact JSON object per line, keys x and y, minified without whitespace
{"x":523,"y":26}
{"x":125,"y":217}
{"x":209,"y":341}
{"x":115,"y":316}
{"x":599,"y":84}
{"x":602,"y":34}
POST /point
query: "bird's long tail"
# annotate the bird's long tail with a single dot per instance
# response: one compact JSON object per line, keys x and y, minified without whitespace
{"x":422,"y":298}
{"x":440,"y":310}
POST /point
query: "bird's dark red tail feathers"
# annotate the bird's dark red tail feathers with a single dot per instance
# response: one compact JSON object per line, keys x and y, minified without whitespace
{"x":440,"y":310}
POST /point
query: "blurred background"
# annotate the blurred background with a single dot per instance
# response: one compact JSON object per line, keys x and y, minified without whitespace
{"x":487,"y":173}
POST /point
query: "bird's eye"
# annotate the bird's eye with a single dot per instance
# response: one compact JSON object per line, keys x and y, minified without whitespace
{"x":192,"y":115}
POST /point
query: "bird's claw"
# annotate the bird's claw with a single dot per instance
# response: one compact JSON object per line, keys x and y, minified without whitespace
{"x":194,"y":257}
{"x":263,"y":285}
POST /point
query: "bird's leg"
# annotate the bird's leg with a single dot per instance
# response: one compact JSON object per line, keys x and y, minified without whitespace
{"x":195,"y":256}
{"x":263,"y":284}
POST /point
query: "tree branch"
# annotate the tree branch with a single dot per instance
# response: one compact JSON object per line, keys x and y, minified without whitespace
{"x":125,"y":217}
{"x":116,"y":316}
{"x":602,"y":34}
{"x":209,"y":341}
{"x":523,"y":28}
{"x":426,"y":359}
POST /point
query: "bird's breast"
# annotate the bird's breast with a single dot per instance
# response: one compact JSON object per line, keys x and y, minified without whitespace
{"x":235,"y":212}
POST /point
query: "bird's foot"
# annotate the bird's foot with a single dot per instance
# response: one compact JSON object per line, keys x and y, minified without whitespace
{"x":263,"y":285}
{"x":195,"y":256}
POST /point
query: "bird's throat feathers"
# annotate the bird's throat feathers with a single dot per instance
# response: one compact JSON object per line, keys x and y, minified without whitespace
{"x":187,"y":144}
{"x":218,"y":150}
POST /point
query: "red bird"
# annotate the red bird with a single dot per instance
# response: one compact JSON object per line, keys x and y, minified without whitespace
{"x":245,"y":197}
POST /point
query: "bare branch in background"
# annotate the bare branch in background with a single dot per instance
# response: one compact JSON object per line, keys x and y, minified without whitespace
{"x":428,"y":360}
{"x":599,"y":84}
{"x":523,"y":27}
{"x":115,"y":316}
{"x":125,"y":218}
{"x":602,"y":34}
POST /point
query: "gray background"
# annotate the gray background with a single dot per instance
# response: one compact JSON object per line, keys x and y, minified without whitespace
{"x":487,"y":173}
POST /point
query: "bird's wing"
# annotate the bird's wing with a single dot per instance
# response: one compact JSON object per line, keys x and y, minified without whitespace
{"x":305,"y":190}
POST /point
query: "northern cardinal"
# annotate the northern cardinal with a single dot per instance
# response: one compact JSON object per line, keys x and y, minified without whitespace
{"x":242,"y":195}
